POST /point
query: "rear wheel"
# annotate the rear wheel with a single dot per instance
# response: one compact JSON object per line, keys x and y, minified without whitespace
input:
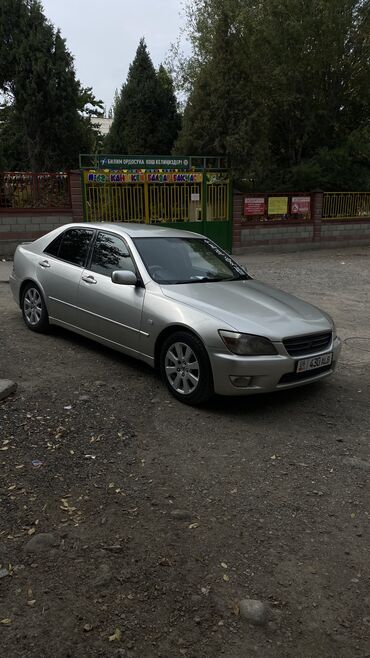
{"x":185,"y":368}
{"x":34,"y":310}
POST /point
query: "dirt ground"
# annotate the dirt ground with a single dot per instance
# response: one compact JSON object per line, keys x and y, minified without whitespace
{"x":163,"y":517}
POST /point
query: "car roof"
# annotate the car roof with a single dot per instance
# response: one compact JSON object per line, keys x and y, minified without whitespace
{"x":140,"y":230}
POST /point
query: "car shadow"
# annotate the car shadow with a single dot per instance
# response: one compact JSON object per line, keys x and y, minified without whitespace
{"x":76,"y":340}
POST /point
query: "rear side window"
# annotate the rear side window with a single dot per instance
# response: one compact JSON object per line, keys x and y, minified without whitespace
{"x":53,"y":248}
{"x":73,"y":246}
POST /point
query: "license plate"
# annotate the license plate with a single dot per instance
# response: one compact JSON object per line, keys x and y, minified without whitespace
{"x":314,"y":362}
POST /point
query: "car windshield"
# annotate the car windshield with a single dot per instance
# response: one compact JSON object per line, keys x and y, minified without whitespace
{"x":187,"y":260}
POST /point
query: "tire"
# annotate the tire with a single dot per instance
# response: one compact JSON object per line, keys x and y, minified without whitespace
{"x":33,"y":308}
{"x":185,"y":368}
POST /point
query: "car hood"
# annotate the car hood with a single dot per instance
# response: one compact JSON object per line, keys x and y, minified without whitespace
{"x":252,"y":307}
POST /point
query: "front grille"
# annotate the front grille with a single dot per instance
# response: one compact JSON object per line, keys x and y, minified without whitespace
{"x":306,"y":345}
{"x":292,"y":377}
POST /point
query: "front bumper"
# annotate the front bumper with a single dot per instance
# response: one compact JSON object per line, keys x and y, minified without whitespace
{"x":266,"y":373}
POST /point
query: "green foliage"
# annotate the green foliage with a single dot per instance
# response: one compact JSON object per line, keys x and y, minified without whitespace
{"x":45,"y":119}
{"x":282,"y":87}
{"x":146,"y":119}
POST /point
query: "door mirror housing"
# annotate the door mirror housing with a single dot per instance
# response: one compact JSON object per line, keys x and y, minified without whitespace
{"x":124,"y":278}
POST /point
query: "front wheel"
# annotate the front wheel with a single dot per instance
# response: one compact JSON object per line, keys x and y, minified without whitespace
{"x":34,"y":310}
{"x":185,"y":368}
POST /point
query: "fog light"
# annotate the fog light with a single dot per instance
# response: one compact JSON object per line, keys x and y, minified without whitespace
{"x":240,"y":382}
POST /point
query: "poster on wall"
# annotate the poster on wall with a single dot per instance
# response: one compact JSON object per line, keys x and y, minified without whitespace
{"x":301,"y":205}
{"x":278,"y":205}
{"x":254,"y":205}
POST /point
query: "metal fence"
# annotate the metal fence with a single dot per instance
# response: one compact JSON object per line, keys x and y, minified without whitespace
{"x":346,"y":205}
{"x":28,"y":190}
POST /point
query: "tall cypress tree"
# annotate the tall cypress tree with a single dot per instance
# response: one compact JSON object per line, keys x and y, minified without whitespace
{"x":145,"y":114}
{"x":44,"y":124}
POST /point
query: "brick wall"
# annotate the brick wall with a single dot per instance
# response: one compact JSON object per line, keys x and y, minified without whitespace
{"x":350,"y":231}
{"x":27,"y":226}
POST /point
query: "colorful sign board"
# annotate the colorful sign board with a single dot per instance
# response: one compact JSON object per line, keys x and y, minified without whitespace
{"x":254,"y":205}
{"x":103,"y":177}
{"x":175,"y":178}
{"x":301,"y":205}
{"x":142,"y":162}
{"x":278,"y":205}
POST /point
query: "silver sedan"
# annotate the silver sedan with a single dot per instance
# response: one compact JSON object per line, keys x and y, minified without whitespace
{"x":177,"y":301}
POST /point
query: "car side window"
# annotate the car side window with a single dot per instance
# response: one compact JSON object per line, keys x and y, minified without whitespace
{"x":53,"y":247}
{"x":71,"y":246}
{"x":110,"y":253}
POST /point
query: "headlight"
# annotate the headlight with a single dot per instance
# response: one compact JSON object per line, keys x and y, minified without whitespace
{"x":247,"y":344}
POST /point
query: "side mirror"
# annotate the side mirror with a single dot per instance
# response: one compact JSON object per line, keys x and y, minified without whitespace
{"x":124,"y":278}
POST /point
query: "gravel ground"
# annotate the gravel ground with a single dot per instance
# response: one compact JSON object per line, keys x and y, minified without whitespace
{"x":133,"y":526}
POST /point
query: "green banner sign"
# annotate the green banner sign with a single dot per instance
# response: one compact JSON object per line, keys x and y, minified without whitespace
{"x":142,"y":162}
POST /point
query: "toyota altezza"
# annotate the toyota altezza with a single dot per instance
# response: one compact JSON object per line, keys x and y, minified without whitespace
{"x":177,"y":301}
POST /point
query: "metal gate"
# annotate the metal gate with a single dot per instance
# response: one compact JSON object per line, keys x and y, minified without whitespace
{"x":195,"y":201}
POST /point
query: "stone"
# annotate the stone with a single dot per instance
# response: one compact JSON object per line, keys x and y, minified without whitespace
{"x":7,"y":387}
{"x":357,"y":462}
{"x":255,"y":611}
{"x":181,"y":515}
{"x":103,"y":576}
{"x":44,"y":541}
{"x":4,"y":573}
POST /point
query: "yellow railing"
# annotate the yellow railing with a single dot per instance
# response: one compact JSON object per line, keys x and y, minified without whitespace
{"x":217,"y":202}
{"x":162,"y":197}
{"x":175,"y":203}
{"x":346,"y":205}
{"x":110,"y":203}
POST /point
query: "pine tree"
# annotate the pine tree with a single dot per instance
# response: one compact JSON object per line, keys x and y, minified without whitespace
{"x":145,"y":114}
{"x":45,"y":125}
{"x":171,"y":120}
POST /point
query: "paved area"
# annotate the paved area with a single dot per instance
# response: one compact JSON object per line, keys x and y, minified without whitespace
{"x":131,"y":525}
{"x":5,"y":269}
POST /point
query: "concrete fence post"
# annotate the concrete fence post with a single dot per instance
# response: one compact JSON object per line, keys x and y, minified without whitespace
{"x":237,"y":222}
{"x":317,"y":199}
{"x":75,"y":181}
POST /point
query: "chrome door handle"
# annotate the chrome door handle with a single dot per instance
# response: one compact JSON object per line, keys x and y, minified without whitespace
{"x":89,"y":279}
{"x":44,"y":263}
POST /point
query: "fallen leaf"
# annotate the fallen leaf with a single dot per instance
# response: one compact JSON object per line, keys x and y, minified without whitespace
{"x":13,"y":486}
{"x":31,"y":531}
{"x":116,"y":635}
{"x":226,"y":578}
{"x":5,"y":622}
{"x":224,"y":565}
{"x":193,"y":525}
{"x":32,"y":602}
{"x":88,"y":628}
{"x":273,"y":457}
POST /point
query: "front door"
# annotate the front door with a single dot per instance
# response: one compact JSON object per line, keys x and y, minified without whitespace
{"x":106,"y":309}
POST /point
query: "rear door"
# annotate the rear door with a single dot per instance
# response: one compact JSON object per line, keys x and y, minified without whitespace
{"x":59,"y":270}
{"x":107,"y":309}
